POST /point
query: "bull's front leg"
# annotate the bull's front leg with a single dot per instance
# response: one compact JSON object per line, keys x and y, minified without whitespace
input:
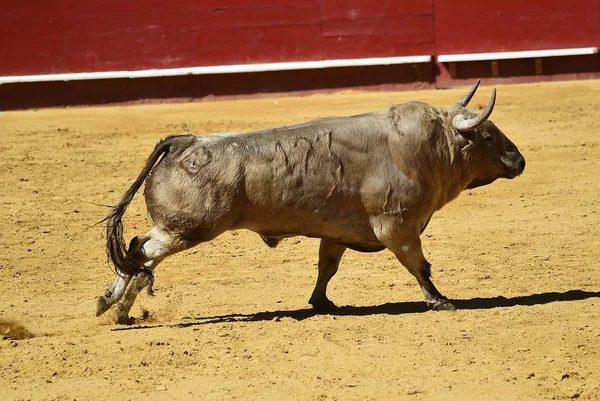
{"x":411,"y":256}
{"x":406,"y":245}
{"x":434,"y":299}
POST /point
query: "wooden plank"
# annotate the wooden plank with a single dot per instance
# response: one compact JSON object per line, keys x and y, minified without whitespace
{"x":137,"y":40}
{"x":122,"y":60}
{"x":402,"y":29}
{"x":131,"y":42}
{"x":207,"y":5}
{"x":453,"y":69}
{"x":236,"y":39}
{"x":102,"y":26}
{"x":32,"y":64}
{"x":358,"y":9}
{"x":27,"y":9}
{"x":253,"y":17}
{"x":259,"y":54}
{"x":474,"y":9}
{"x":371,"y":46}
{"x":539,"y":66}
{"x":115,"y":8}
{"x":495,"y":68}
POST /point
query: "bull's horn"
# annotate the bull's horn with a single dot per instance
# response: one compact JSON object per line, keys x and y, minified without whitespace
{"x":463,"y":125}
{"x":467,"y":98}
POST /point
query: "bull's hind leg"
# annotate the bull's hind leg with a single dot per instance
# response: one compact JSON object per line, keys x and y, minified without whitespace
{"x":136,"y":284}
{"x":149,"y":251}
{"x":330,"y":254}
{"x":112,"y":294}
{"x":409,"y":252}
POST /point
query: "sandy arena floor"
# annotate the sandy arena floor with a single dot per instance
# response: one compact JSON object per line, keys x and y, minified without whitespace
{"x":230,"y":318}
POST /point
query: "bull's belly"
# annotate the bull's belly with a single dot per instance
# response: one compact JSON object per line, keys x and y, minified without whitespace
{"x":354,"y":231}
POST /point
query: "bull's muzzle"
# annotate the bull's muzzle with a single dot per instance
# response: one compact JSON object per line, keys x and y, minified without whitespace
{"x":521,"y":165}
{"x":515,"y":164}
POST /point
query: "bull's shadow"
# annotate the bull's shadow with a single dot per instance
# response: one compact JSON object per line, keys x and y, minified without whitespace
{"x":396,"y":308}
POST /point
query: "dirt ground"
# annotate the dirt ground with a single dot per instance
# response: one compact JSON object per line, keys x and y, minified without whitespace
{"x":230,"y":319}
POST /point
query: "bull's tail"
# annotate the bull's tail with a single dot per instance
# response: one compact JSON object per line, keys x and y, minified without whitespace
{"x":116,"y":249}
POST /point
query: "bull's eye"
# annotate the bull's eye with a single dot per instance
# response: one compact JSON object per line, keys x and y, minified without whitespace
{"x":488,"y":138}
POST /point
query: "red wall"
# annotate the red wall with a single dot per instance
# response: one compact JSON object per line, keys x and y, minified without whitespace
{"x":54,"y":36}
{"x":476,"y":26}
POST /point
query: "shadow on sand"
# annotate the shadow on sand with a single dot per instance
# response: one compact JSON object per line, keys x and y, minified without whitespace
{"x":397,"y":308}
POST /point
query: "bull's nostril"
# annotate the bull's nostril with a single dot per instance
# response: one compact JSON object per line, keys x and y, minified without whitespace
{"x":521,"y":165}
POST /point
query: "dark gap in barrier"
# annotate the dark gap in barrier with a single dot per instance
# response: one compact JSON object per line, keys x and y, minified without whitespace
{"x":197,"y":87}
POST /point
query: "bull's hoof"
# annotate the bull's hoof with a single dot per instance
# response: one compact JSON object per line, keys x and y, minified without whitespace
{"x":122,"y":318}
{"x":101,"y":306}
{"x":323,"y":306}
{"x":270,"y":241}
{"x":443,"y":305}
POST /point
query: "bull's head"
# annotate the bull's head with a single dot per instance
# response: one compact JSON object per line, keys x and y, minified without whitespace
{"x":489,"y":153}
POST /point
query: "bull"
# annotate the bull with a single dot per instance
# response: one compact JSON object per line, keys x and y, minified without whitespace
{"x":366,"y":182}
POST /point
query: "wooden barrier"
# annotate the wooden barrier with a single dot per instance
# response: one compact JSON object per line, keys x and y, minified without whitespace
{"x":64,"y":40}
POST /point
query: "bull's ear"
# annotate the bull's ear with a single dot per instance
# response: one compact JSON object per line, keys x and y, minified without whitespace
{"x":469,"y":135}
{"x":464,"y":140}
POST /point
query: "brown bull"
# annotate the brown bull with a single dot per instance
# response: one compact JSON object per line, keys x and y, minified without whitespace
{"x":366,"y":182}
